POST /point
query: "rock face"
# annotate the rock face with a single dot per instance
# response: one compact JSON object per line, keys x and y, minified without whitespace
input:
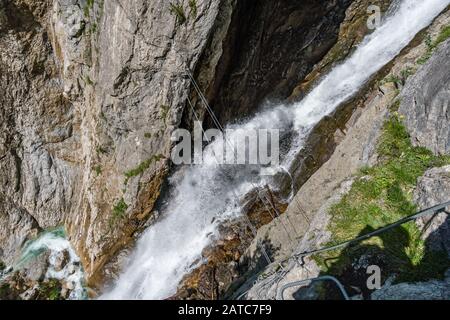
{"x":16,"y":227}
{"x":91,"y":92}
{"x":34,"y":270}
{"x":425,"y":103}
{"x":432,"y":189}
{"x":431,"y":290}
{"x":271,"y":47}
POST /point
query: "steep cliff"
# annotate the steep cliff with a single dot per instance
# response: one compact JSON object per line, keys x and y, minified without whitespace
{"x":91,"y":92}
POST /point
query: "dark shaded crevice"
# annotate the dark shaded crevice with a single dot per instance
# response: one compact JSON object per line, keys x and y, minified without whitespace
{"x":271,"y":46}
{"x":18,"y":18}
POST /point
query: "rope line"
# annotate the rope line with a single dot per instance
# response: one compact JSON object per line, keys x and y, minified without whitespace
{"x":247,"y":220}
{"x":301,"y":282}
{"x":432,"y":210}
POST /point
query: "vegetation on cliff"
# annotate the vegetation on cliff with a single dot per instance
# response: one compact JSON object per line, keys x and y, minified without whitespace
{"x":381,"y":195}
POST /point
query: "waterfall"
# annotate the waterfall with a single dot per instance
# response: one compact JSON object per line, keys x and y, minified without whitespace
{"x":201,"y":198}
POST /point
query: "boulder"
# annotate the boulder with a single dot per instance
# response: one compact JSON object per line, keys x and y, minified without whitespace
{"x":60,"y":260}
{"x":432,"y":189}
{"x":431,"y":290}
{"x":30,"y":294}
{"x":34,"y":269}
{"x":425,"y":103}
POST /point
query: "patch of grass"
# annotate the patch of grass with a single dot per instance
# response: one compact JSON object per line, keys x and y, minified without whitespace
{"x":422,"y":60}
{"x":164,"y":111}
{"x":141,"y":168}
{"x":392,"y":79}
{"x":380,"y":196}
{"x":50,"y":290}
{"x":94,"y":28}
{"x":443,"y":35}
{"x":98,"y":170}
{"x":406,"y":73}
{"x":178,"y":11}
{"x":399,"y":80}
{"x":432,"y":45}
{"x":147,"y":135}
{"x":193,"y":7}
{"x":87,"y":8}
{"x":101,"y":150}
{"x":119,"y":210}
{"x":429,"y":52}
{"x":396,"y":105}
{"x":89,"y":81}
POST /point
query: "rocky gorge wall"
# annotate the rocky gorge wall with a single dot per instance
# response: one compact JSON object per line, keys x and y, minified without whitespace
{"x":91,"y":91}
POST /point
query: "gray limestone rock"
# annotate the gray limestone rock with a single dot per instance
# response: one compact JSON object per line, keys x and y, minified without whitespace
{"x":425,"y":103}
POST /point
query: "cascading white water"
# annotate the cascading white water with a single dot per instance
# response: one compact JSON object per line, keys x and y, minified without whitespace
{"x":54,"y":242}
{"x":203,"y":197}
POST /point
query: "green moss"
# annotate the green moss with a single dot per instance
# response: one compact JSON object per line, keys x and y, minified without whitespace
{"x":392,"y":79}
{"x":98,"y":170}
{"x":380,"y":196}
{"x":119,"y":210}
{"x":87,"y":8}
{"x":141,"y":168}
{"x":147,"y":135}
{"x":50,"y":290}
{"x":89,"y":81}
{"x":164,"y":111}
{"x":101,"y":150}
{"x":193,"y":7}
{"x":443,"y":35}
{"x":432,"y":45}
{"x":178,"y":11}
